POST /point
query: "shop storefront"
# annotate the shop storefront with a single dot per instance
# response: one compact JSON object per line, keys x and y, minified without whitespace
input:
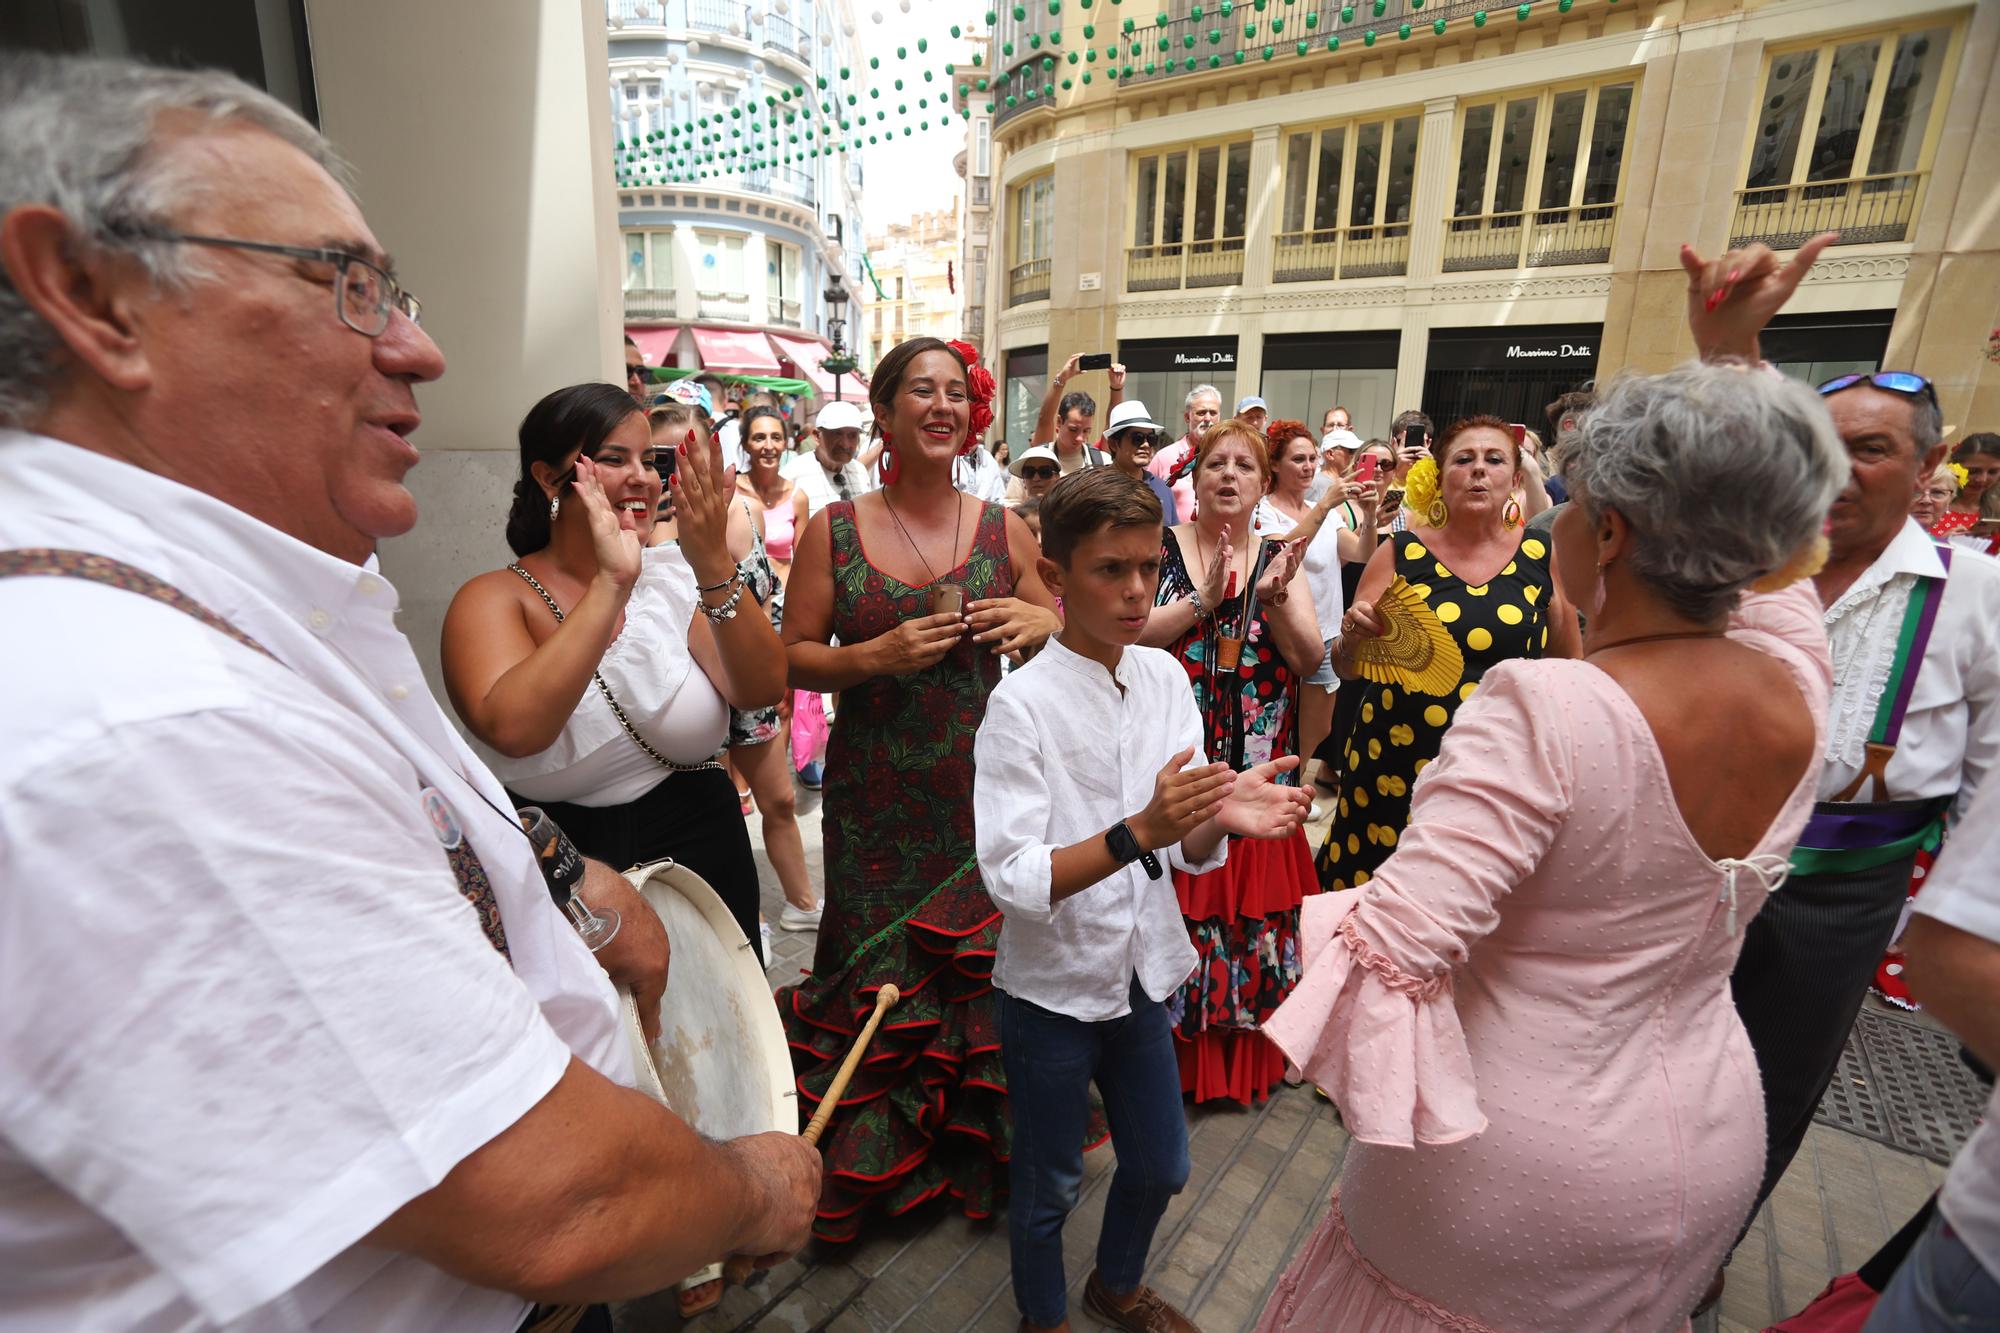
{"x":1026,"y":376}
{"x":1305,"y":374}
{"x":1815,"y":348}
{"x":1513,"y":374}
{"x":1160,"y":372}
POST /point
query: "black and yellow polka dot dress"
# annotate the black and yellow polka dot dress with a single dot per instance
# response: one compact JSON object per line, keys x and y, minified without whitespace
{"x":1396,"y":734}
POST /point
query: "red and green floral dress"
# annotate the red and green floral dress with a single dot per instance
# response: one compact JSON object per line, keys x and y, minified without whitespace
{"x":1243,"y":916}
{"x":926,"y":1114}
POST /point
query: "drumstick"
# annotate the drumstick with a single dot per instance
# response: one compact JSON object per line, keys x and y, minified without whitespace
{"x":885,"y":999}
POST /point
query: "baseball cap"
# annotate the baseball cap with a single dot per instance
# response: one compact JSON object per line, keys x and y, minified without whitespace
{"x":1041,"y":451}
{"x":1128,"y":414}
{"x":1251,"y":403}
{"x":694,"y":395}
{"x":1339,"y":439}
{"x":838,"y":415}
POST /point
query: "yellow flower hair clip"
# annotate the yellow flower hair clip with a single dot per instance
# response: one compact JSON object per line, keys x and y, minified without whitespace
{"x":1420,"y":493}
{"x":1958,"y":471}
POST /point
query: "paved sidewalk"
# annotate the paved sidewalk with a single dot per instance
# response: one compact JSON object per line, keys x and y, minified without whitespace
{"x":1260,"y":1182}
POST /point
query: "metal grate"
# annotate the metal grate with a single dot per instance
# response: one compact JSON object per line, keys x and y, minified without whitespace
{"x":1902,"y":1084}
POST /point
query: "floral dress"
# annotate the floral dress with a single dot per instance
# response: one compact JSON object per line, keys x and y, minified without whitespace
{"x":755,"y":726}
{"x":1243,"y":916}
{"x":926,"y":1113}
{"x":1397,"y":734}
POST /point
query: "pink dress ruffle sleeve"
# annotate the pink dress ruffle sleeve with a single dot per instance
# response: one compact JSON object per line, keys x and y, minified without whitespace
{"x":1525,"y":1021}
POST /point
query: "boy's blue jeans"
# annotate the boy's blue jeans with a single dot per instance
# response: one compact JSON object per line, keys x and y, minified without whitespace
{"x":1051,"y":1062}
{"x":1940,"y":1286}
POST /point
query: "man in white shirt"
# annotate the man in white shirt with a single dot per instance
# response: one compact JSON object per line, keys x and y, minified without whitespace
{"x":1951,"y":1280}
{"x":830,"y":471}
{"x":1091,"y":730}
{"x":1912,"y":732}
{"x":295,"y":1036}
{"x":1200,"y":410}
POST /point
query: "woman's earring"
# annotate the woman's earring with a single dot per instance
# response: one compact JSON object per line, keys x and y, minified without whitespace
{"x":1511,"y":515}
{"x":555,"y":506}
{"x":1438,"y":514}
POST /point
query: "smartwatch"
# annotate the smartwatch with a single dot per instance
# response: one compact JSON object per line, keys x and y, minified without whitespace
{"x":1125,"y":848}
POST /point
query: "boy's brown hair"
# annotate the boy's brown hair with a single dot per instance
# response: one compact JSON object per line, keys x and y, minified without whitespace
{"x":1093,"y":498}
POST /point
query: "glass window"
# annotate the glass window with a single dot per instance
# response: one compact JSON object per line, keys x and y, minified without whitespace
{"x":1298,"y":169}
{"x":1402,"y":170}
{"x":1559,"y":161}
{"x":982,"y":147}
{"x":1779,"y":118}
{"x":720,"y":260}
{"x":1146,"y":202}
{"x":1607,"y":144}
{"x":1172,"y":199}
{"x":1841,"y":113}
{"x":660,"y":246}
{"x":1510,"y":173}
{"x":1207,"y":173}
{"x":635,"y":259}
{"x":1326,"y":201}
{"x":1235,"y":190}
{"x":1906,"y":104}
{"x":1474,"y":146}
{"x":1367,"y":173}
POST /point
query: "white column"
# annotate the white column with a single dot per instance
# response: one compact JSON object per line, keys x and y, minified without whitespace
{"x":478,"y":135}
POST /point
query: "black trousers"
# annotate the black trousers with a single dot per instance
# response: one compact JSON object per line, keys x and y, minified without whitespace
{"x":1805,"y":967}
{"x":691,"y":817}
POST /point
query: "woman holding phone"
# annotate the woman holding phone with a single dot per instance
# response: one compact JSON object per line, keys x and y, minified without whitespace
{"x":902,"y":601}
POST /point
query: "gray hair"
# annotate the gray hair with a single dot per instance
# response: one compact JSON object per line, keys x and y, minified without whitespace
{"x":1723,"y":473}
{"x":79,"y":135}
{"x":1196,"y":392}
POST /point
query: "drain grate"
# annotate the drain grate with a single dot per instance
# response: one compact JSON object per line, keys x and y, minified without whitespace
{"x":1902,"y":1084}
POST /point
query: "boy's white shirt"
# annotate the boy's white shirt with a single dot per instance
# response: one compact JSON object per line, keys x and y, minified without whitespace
{"x":1066,"y":750}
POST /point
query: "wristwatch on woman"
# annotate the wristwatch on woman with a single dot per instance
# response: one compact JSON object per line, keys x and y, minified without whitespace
{"x":1124,"y":846}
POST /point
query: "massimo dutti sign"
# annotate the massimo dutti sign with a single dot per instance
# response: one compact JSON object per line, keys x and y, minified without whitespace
{"x":1561,"y":351}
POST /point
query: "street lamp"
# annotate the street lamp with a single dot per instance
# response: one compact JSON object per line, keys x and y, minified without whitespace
{"x":839,"y":362}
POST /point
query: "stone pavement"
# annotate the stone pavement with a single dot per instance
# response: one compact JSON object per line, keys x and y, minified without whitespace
{"x":1260,"y":1181}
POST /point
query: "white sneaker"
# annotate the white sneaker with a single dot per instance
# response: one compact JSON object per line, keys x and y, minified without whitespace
{"x":764,"y":933}
{"x":797,"y":918}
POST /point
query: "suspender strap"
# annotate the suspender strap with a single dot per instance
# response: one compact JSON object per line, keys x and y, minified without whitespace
{"x":1919,"y":619}
{"x":45,"y":562}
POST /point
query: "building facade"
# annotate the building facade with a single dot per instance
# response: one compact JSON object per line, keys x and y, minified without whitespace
{"x":733,"y":221}
{"x":1341,"y":203}
{"x":915,"y":268}
{"x":974,"y":165}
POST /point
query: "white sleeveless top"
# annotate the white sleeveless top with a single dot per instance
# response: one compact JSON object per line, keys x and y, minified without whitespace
{"x":664,"y":693}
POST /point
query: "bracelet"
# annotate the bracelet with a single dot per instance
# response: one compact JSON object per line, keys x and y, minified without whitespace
{"x":726,"y":611}
{"x":1194,"y":600}
{"x":734,"y":575}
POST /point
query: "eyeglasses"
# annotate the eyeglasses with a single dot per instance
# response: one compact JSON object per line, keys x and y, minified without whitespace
{"x":636,"y":372}
{"x":1142,"y":439}
{"x":1906,"y":382}
{"x":1039,"y":473}
{"x":363,"y":294}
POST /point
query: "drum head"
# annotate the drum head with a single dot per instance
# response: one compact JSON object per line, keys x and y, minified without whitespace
{"x":720,"y":1061}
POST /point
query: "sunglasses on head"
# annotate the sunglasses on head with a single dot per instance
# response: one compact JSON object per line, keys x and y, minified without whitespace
{"x":1906,"y":382}
{"x":1039,"y":473}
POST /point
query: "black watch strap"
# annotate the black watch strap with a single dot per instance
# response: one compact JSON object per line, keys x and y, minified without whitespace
{"x":1124,"y":845}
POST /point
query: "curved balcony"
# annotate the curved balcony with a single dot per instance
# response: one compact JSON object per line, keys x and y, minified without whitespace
{"x":1863,"y":209}
{"x":1028,"y":282}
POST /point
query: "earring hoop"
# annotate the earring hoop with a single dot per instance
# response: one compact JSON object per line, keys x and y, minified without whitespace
{"x":555,"y":506}
{"x":1511,"y":515}
{"x":1438,"y":514}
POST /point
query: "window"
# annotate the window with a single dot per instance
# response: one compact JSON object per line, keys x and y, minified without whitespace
{"x":649,"y":260}
{"x":1537,"y":179}
{"x":1842,"y":137}
{"x":718,"y":262}
{"x":781,"y":270}
{"x":641,"y":108}
{"x":1188,"y":217}
{"x":1032,"y":217}
{"x":1347,"y":196}
{"x":982,"y":147}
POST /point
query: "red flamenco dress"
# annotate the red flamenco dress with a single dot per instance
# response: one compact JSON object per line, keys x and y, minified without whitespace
{"x":926,"y":1113}
{"x":1243,"y":916}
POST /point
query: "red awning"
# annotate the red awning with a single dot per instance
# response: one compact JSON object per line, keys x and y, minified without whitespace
{"x":655,"y":344}
{"x":806,"y":354}
{"x":740,"y":351}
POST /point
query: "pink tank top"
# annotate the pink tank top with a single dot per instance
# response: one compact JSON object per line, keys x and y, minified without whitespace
{"x":778,"y":529}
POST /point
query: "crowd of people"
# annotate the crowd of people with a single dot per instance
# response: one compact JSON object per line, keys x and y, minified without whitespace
{"x":306,"y":1036}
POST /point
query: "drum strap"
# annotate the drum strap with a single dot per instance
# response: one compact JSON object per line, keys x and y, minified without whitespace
{"x":971,"y":863}
{"x":466,"y":868}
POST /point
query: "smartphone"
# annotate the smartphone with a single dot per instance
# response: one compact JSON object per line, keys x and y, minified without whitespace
{"x":1985,"y":527}
{"x":666,"y":460}
{"x":1365,"y":471}
{"x":1519,"y":431}
{"x":1094,"y":361}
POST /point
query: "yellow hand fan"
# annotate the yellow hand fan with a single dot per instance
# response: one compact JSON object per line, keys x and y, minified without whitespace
{"x":1414,"y":650}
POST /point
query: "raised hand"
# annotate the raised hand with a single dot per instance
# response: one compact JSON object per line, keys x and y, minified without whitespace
{"x":1183,"y":798}
{"x":1214,"y":583}
{"x":1732,"y":298}
{"x":1259,"y":807}
{"x":616,"y":535}
{"x":703,"y":491}
{"x":1279,"y":573}
{"x":1117,"y":376}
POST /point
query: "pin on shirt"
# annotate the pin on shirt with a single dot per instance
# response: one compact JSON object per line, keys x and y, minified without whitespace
{"x":444,"y":820}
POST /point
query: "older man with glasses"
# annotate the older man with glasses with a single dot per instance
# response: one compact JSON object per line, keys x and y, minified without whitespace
{"x":311,"y":1045}
{"x":1914,"y":723}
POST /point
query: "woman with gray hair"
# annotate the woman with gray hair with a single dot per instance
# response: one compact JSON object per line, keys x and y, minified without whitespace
{"x":1524,"y":1014}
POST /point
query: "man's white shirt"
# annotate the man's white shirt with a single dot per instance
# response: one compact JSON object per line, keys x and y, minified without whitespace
{"x":807,"y":473}
{"x":248,"y":1014}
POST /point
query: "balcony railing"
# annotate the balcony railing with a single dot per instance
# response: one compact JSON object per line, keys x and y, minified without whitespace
{"x":781,"y":34}
{"x":1341,"y":252}
{"x":1028,"y":282}
{"x":1538,"y":238}
{"x":638,"y":13}
{"x":1162,"y":268}
{"x":651,"y":303}
{"x":1862,"y":209}
{"x":783,"y":311}
{"x":724,"y":305}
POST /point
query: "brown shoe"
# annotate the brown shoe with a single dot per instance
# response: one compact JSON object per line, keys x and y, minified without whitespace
{"x":1141,"y":1312}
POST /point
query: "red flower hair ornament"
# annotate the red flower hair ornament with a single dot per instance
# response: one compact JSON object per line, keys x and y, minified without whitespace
{"x":979,"y":388}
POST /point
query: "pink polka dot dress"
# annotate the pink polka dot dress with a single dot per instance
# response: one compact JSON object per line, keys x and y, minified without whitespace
{"x":1525,"y":1020}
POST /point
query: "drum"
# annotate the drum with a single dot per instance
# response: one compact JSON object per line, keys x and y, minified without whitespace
{"x":720,"y":1062}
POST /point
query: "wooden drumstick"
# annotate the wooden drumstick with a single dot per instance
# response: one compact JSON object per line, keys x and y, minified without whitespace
{"x":739,"y":1268}
{"x":885,"y":1000}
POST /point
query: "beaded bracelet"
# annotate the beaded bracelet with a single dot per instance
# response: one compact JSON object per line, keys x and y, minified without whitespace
{"x":727,"y":610}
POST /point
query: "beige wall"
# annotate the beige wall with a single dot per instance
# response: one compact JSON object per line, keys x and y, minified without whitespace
{"x":478,"y":136}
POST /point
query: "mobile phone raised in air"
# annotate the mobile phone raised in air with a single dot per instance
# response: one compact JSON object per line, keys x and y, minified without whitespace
{"x":1364,"y":472}
{"x":1094,"y":361}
